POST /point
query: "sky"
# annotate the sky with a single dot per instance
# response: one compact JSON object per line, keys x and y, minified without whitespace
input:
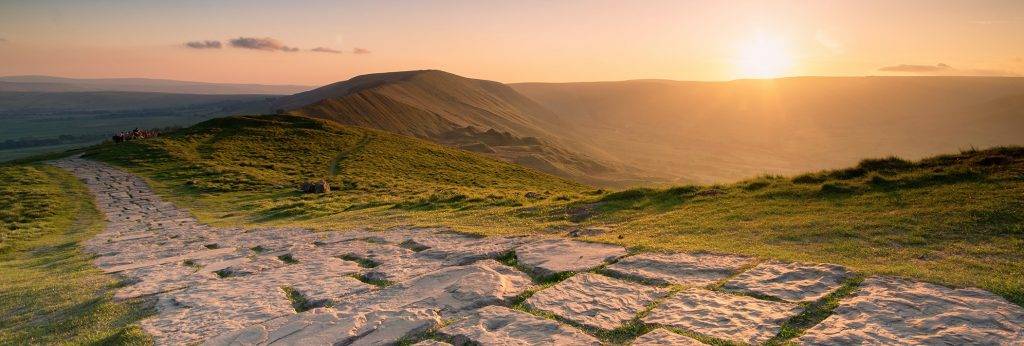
{"x":319,"y":42}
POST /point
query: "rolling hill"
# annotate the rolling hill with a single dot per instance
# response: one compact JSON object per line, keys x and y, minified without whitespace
{"x":62,"y":84}
{"x":725,"y":131}
{"x":483,"y":116}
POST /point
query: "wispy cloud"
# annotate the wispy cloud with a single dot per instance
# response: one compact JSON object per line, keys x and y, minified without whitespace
{"x":358,"y":50}
{"x":325,"y":50}
{"x":203,"y":44}
{"x":941,"y":69}
{"x":266,"y":43}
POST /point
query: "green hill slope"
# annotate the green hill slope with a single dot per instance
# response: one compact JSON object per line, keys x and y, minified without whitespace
{"x":266,"y":158}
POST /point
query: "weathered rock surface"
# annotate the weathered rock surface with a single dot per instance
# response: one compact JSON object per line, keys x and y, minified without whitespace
{"x":680,"y":269}
{"x":595,"y":300}
{"x":794,"y":282}
{"x":328,"y":326}
{"x":453,"y":289}
{"x":556,"y":255}
{"x":895,"y":311}
{"x":662,"y":337}
{"x":723,"y":315}
{"x":496,"y":325}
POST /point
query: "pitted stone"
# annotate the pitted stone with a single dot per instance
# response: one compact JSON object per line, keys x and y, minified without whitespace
{"x":431,"y":343}
{"x":723,"y":315}
{"x":680,"y":269}
{"x":403,"y":268}
{"x":452,"y":289}
{"x":497,"y":325}
{"x":460,"y":253}
{"x":894,"y":311}
{"x":556,"y":255}
{"x":662,"y":337}
{"x":595,"y":300}
{"x":327,"y":326}
{"x":794,"y":282}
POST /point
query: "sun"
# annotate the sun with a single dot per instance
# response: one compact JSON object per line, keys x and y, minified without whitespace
{"x":763,"y":57}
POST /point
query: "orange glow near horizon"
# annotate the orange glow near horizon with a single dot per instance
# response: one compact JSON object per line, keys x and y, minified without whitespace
{"x":521,"y":41}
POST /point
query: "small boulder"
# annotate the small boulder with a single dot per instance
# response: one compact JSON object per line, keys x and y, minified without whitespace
{"x":317,"y":187}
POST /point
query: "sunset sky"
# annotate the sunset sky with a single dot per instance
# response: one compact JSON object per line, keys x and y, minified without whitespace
{"x":509,"y":41}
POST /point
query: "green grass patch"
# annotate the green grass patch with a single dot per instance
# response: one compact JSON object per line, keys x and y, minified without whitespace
{"x":50,"y":293}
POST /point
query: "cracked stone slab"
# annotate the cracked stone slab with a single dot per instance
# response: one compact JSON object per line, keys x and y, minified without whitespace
{"x":453,"y":289}
{"x":793,"y":282}
{"x":471,"y":250}
{"x":662,"y":337}
{"x":431,"y":343}
{"x":497,"y":325}
{"x":171,"y":259}
{"x":595,"y":300}
{"x":557,"y":255}
{"x":887,"y":310}
{"x":680,"y":268}
{"x":723,"y":315}
{"x":326,"y":326}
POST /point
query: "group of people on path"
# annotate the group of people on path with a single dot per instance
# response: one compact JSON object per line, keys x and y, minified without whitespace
{"x":134,"y":134}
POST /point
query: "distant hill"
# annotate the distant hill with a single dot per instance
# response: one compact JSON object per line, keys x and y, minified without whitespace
{"x":61,"y":84}
{"x":477,"y":115}
{"x":725,"y":131}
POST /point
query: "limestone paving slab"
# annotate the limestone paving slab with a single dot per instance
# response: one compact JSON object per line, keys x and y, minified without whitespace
{"x":328,"y":326}
{"x":595,"y":300}
{"x":723,"y":315}
{"x":662,"y":337}
{"x":452,"y":289}
{"x":895,"y":311}
{"x":556,"y":255}
{"x":794,"y":282}
{"x":680,"y":268}
{"x":497,"y":325}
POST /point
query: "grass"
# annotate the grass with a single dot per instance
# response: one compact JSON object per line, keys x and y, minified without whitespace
{"x":955,"y":219}
{"x":49,"y":291}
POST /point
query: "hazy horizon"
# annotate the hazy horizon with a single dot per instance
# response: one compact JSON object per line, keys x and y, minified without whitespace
{"x":319,"y":42}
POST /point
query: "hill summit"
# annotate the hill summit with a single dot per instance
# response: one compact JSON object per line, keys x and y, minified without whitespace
{"x":477,"y":115}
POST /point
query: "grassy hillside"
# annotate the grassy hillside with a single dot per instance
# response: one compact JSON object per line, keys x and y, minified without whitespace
{"x":49,"y":291}
{"x":255,"y":164}
{"x":458,"y":112}
{"x":954,"y":219}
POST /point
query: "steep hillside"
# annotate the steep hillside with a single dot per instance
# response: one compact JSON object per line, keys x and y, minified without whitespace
{"x":724,"y":131}
{"x":483,"y":116}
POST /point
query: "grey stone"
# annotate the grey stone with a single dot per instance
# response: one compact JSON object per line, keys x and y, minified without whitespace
{"x":794,"y":282}
{"x":497,"y":325}
{"x":722,"y":315}
{"x":896,"y":311}
{"x":662,"y":337}
{"x":556,"y":255}
{"x":680,"y":268}
{"x":595,"y":300}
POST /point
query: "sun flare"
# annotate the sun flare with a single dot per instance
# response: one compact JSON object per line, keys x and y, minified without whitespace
{"x":763,"y":57}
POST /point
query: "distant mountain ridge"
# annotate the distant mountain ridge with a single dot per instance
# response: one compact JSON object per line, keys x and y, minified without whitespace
{"x":32,"y":83}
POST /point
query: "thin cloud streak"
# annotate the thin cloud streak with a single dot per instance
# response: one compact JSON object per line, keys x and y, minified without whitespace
{"x":942,"y":69}
{"x":325,"y":50}
{"x":360,"y":51}
{"x":209,"y":44}
{"x":266,"y":43}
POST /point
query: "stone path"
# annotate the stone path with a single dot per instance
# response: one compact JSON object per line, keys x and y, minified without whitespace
{"x":223,"y":286}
